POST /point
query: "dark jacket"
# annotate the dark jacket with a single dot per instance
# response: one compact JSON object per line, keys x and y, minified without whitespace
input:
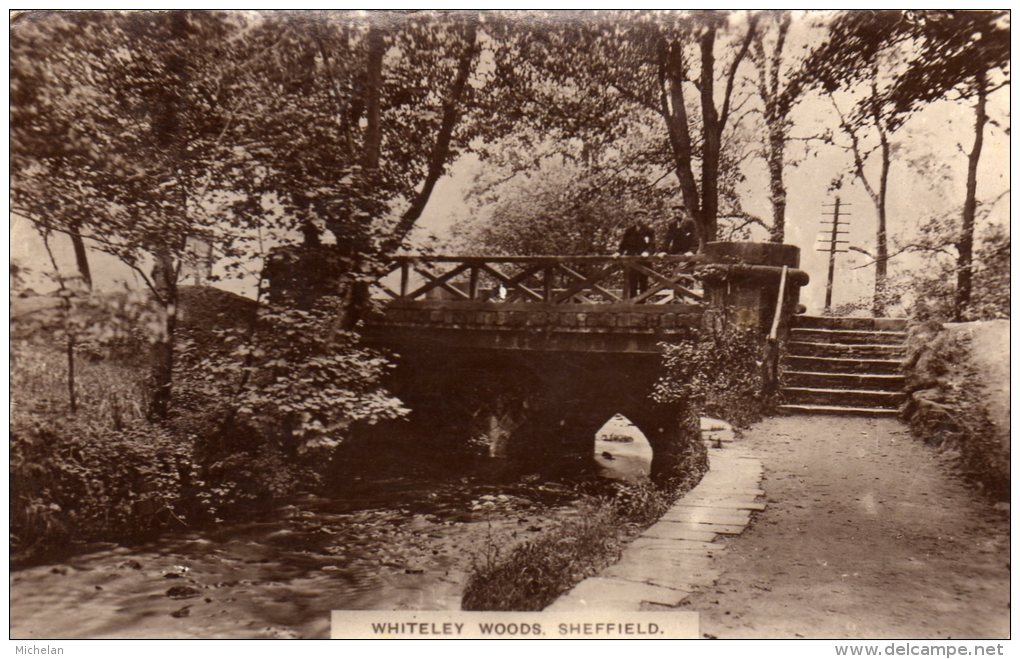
{"x":681,"y":237}
{"x":637,"y":238}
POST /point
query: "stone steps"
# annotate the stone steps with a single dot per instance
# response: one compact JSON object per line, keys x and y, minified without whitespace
{"x":813,"y":364}
{"x":818,"y":335}
{"x":846,"y":350}
{"x":846,"y":323}
{"x":836,"y":380}
{"x":791,"y":408}
{"x":850,"y":397}
{"x":844,"y":366}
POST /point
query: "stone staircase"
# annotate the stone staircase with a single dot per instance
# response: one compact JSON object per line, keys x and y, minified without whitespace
{"x":844,"y":366}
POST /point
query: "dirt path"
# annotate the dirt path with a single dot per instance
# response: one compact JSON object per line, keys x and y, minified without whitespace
{"x":866,"y":535}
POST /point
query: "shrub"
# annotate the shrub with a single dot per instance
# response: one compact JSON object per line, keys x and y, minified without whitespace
{"x":78,"y":480}
{"x":718,"y":373}
{"x":294,"y":379}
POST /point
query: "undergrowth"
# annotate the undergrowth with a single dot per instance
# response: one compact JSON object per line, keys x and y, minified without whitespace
{"x":533,"y":574}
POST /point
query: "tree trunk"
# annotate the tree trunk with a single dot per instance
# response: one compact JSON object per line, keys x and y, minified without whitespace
{"x":373,"y":96}
{"x":441,"y":149}
{"x":81,"y":256}
{"x":965,"y":244}
{"x":881,"y":242}
{"x":777,"y":190}
{"x":162,"y":363}
{"x":712,"y":140}
{"x":674,"y":112}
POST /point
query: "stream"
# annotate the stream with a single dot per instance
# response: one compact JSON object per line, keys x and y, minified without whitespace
{"x":398,"y":544}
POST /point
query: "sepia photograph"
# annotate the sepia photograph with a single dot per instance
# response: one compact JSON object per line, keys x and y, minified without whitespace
{"x":511,"y":324}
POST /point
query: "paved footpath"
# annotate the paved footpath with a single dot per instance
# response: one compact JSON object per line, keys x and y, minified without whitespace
{"x":867,"y":533}
{"x":677,"y":554}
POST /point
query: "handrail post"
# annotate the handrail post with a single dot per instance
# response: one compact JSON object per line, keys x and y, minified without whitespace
{"x":627,"y":274}
{"x":473,"y":283}
{"x":770,"y":352}
{"x":405,"y":276}
{"x":779,"y":304}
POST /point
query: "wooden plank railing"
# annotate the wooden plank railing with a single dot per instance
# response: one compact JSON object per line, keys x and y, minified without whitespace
{"x":543,"y":279}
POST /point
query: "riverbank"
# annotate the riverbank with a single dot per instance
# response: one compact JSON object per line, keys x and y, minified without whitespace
{"x":385,"y":544}
{"x":408,"y":546}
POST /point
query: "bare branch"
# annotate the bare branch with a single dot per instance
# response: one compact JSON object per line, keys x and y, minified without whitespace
{"x":751,"y":26}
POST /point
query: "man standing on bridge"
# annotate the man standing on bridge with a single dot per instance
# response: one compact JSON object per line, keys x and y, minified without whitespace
{"x":682,"y":236}
{"x":638,"y":240}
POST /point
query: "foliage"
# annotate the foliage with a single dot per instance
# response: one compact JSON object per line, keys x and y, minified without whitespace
{"x":591,"y":77}
{"x":98,"y":324}
{"x":532,"y":575}
{"x":581,"y":199}
{"x":134,"y":156}
{"x":352,"y":143}
{"x":953,"y":50}
{"x":946,"y":409}
{"x":928,"y":291}
{"x":102,"y":473}
{"x":296,"y":380}
{"x":561,"y":209}
{"x":895,"y":62}
{"x":225,"y":130}
{"x":718,"y":372}
{"x":991,"y":297}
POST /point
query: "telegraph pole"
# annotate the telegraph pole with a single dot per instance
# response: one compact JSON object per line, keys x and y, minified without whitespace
{"x":833,"y":248}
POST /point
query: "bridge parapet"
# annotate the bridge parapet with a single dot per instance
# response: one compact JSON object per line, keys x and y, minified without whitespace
{"x":624,"y":304}
{"x":555,"y":280}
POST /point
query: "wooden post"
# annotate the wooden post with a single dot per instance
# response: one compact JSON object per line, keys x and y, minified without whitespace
{"x":404,"y":276}
{"x":473,"y":283}
{"x":548,"y":284}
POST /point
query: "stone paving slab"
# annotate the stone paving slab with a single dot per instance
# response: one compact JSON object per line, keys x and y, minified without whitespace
{"x":749,"y":495}
{"x":726,"y":503}
{"x":606,"y":594}
{"x":675,"y":556}
{"x":719,"y":529}
{"x":665,"y":575}
{"x":645,"y":543}
{"x":669,"y":531}
{"x":707,"y":516}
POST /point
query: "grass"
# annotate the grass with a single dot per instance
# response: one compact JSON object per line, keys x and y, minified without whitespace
{"x":108,"y":393}
{"x":532,"y":575}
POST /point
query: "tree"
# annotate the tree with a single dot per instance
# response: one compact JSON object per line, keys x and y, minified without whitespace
{"x":119,"y":128}
{"x":967,"y":54}
{"x":927,"y":55}
{"x":590,"y":77}
{"x":861,"y":55}
{"x":151,"y":131}
{"x":379,"y":101}
{"x":779,"y":89}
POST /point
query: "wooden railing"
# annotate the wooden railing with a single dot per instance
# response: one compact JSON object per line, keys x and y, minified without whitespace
{"x":770,"y":351}
{"x":543,"y":279}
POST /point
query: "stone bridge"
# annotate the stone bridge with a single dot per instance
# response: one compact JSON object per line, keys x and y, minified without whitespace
{"x":532,"y":355}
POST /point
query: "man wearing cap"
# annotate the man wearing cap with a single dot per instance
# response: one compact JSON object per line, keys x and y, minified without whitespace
{"x":682,"y":235}
{"x":638,"y":240}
